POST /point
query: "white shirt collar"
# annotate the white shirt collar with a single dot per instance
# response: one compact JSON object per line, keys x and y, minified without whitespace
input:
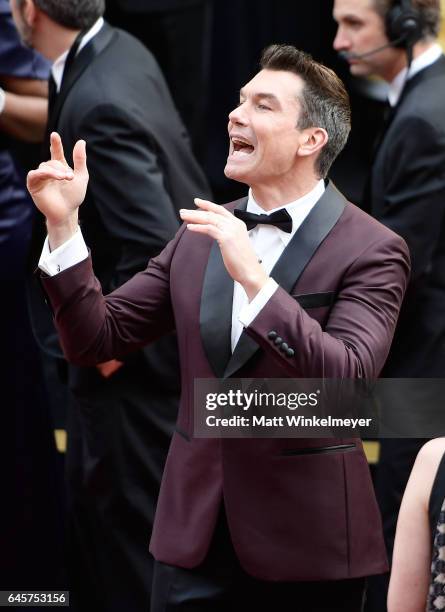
{"x":424,"y":60}
{"x":298,"y":209}
{"x":59,"y":65}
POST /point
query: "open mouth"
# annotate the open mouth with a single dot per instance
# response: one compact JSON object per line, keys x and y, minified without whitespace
{"x":241,"y":147}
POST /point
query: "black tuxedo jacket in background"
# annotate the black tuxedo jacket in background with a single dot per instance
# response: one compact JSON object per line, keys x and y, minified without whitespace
{"x":408,"y":195}
{"x":142,"y":172}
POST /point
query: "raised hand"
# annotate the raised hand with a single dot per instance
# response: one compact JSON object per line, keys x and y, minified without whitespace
{"x":231,"y":234}
{"x":58,"y":190}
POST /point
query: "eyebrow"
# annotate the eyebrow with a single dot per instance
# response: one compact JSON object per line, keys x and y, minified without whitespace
{"x":268,"y":96}
{"x":348,"y":17}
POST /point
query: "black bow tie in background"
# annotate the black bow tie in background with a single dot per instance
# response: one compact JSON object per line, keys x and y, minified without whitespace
{"x":280,"y":218}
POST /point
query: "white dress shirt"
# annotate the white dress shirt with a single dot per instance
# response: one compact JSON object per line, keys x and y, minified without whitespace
{"x":59,"y":65}
{"x":422,"y":61}
{"x":267,"y":241}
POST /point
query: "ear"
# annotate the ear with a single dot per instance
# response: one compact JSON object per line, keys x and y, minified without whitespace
{"x":312,"y":140}
{"x":29,"y":12}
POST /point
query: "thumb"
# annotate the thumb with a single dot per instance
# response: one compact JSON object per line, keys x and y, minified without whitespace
{"x":80,"y":157}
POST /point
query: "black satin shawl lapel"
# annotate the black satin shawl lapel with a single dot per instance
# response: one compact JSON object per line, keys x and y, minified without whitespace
{"x":216,"y":309}
{"x":308,"y":238}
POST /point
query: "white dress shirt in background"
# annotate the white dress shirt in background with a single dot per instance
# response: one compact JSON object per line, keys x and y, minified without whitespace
{"x":422,"y":61}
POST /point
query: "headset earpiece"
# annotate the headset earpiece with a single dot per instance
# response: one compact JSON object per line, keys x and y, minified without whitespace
{"x":403,"y":24}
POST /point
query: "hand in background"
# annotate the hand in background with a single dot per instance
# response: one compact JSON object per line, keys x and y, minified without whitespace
{"x":108,"y":368}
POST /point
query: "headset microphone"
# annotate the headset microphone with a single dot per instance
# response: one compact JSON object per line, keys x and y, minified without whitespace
{"x":347,"y":55}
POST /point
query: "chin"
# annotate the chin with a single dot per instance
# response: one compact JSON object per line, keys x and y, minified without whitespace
{"x":235,"y":173}
{"x":360,"y":70}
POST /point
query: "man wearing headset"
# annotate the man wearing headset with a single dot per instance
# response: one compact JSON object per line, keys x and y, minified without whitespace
{"x":395,"y":40}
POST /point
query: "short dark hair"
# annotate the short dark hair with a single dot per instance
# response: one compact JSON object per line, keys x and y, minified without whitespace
{"x":73,"y":14}
{"x":324,"y":100}
{"x":429,"y":12}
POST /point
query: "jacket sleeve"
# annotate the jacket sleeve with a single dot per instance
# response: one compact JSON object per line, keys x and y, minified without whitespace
{"x":93,"y":328}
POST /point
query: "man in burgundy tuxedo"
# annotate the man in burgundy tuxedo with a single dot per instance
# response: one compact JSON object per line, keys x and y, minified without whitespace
{"x":246,"y":524}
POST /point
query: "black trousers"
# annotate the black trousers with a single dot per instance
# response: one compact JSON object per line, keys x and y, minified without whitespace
{"x":219,"y":584}
{"x":118,"y":435}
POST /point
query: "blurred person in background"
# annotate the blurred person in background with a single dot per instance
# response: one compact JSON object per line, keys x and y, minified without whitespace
{"x":23,"y":115}
{"x":417,"y":577}
{"x":106,"y":87}
{"x":396,"y":41}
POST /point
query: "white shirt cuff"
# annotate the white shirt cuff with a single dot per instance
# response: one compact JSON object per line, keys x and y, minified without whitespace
{"x":66,"y":255}
{"x":252,"y":310}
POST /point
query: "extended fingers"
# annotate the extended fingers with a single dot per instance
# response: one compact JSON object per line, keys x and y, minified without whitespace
{"x":198,"y":216}
{"x":46,"y":171}
{"x":210,"y":206}
{"x":53,"y":163}
{"x":56,"y":170}
{"x":210,"y":230}
{"x":80,"y":157}
{"x":57,"y":148}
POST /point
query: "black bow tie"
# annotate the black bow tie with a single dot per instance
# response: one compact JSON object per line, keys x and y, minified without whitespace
{"x":280,"y":218}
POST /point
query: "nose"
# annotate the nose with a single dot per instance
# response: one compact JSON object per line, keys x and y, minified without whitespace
{"x":238,"y":115}
{"x":341,"y":42}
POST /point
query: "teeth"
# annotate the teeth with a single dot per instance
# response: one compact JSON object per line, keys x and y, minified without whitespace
{"x":241,"y":153}
{"x":241,"y":142}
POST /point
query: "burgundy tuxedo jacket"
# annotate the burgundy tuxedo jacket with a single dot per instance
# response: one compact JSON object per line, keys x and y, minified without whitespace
{"x":292,"y":514}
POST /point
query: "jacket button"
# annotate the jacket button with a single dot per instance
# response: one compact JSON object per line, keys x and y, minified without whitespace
{"x":290,"y":352}
{"x":278,"y":340}
{"x":272,"y":335}
{"x":284,"y":347}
